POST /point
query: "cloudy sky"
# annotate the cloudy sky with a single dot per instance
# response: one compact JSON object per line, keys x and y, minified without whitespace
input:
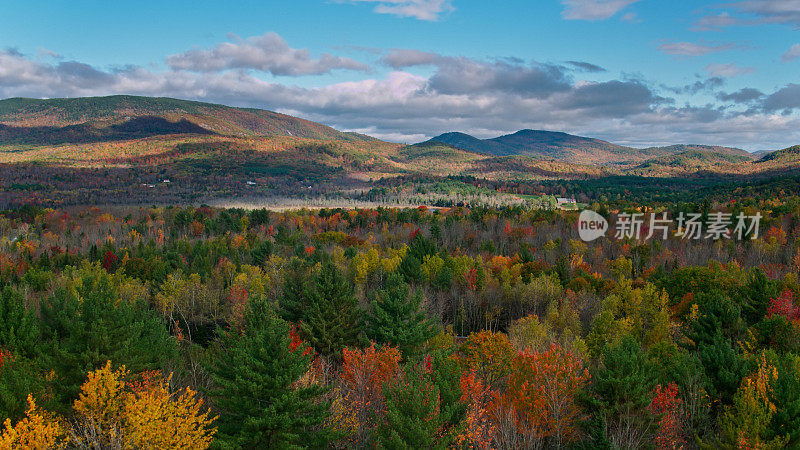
{"x":635,"y":72}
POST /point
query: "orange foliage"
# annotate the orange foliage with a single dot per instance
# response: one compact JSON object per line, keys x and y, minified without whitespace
{"x":362,"y":377}
{"x":490,"y":355}
{"x":667,"y":404}
{"x":141,"y":413}
{"x":543,"y":390}
{"x":479,"y":424}
{"x":37,"y":431}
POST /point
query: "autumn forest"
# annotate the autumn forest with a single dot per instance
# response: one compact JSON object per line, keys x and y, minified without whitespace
{"x":190,"y":327}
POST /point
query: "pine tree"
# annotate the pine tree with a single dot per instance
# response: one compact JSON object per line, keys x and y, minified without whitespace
{"x":446,"y":375}
{"x":18,"y":378}
{"x":254,"y":390}
{"x":756,"y":295}
{"x":19,"y":330}
{"x":296,"y":298}
{"x":411,"y":268}
{"x":332,"y":320}
{"x":412,"y":413}
{"x":623,"y":386}
{"x":396,"y":318}
{"x":91,"y":326}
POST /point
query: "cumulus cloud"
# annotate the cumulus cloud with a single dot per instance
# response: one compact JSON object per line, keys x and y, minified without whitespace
{"x":791,"y":54}
{"x":460,"y":75}
{"x":267,"y":53}
{"x":785,"y":99}
{"x":694,"y":49}
{"x":745,"y":95}
{"x":708,"y":84}
{"x":594,"y":9}
{"x":727,"y":70}
{"x":431,"y":10}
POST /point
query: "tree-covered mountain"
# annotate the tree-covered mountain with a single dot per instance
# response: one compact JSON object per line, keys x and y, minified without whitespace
{"x":52,"y":116}
{"x":570,"y":148}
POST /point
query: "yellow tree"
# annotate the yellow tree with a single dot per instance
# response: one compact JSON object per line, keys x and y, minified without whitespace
{"x":36,"y":431}
{"x":155,"y":418}
{"x":743,"y":424}
{"x":114,"y":411}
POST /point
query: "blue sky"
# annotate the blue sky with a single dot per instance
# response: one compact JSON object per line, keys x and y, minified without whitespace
{"x":637,"y":72}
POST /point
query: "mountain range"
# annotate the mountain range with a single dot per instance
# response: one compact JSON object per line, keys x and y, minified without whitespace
{"x":574,"y":149}
{"x":126,"y":130}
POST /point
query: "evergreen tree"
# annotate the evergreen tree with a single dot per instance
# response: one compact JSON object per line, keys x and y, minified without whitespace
{"x":411,"y":268}
{"x":19,"y":329}
{"x":90,"y":326}
{"x":396,"y":318}
{"x":756,"y":295}
{"x":296,"y":298}
{"x":421,"y":247}
{"x":622,"y":386}
{"x":332,"y":320}
{"x":254,"y":379}
{"x":446,"y":375}
{"x":412,"y":413}
{"x":724,"y":366}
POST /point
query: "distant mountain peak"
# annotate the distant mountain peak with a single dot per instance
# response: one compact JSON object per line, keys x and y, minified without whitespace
{"x":570,"y":148}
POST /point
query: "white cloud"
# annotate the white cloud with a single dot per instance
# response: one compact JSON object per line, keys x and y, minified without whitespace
{"x":727,"y":70}
{"x":431,"y":10}
{"x":691,"y":49}
{"x":594,"y":9}
{"x":791,"y":54}
{"x":772,"y":11}
{"x":267,"y":53}
{"x":716,"y":22}
{"x":753,"y":12}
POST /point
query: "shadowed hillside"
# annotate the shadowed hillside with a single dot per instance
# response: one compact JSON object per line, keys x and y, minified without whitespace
{"x":117,"y":109}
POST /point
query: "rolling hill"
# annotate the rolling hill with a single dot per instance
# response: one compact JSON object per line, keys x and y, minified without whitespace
{"x":95,"y":114}
{"x":570,"y":148}
{"x":697,"y":159}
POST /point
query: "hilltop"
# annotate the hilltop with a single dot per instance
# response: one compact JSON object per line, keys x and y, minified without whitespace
{"x":570,"y":148}
{"x":61,"y":116}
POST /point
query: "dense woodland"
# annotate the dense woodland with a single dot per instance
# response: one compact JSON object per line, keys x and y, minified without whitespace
{"x":194,"y":327}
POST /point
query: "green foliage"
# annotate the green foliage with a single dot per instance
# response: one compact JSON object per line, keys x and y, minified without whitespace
{"x":411,"y":268}
{"x":396,"y":318}
{"x":622,"y":390}
{"x":89,"y":325}
{"x":332,"y":320}
{"x":296,"y":298}
{"x":446,"y":375}
{"x":18,"y":378}
{"x":756,"y":294}
{"x":254,"y":387}
{"x":785,"y":395}
{"x":412,"y":413}
{"x":19,"y":329}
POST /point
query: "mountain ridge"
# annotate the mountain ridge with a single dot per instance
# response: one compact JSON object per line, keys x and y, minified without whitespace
{"x":112,"y":110}
{"x":570,"y":148}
